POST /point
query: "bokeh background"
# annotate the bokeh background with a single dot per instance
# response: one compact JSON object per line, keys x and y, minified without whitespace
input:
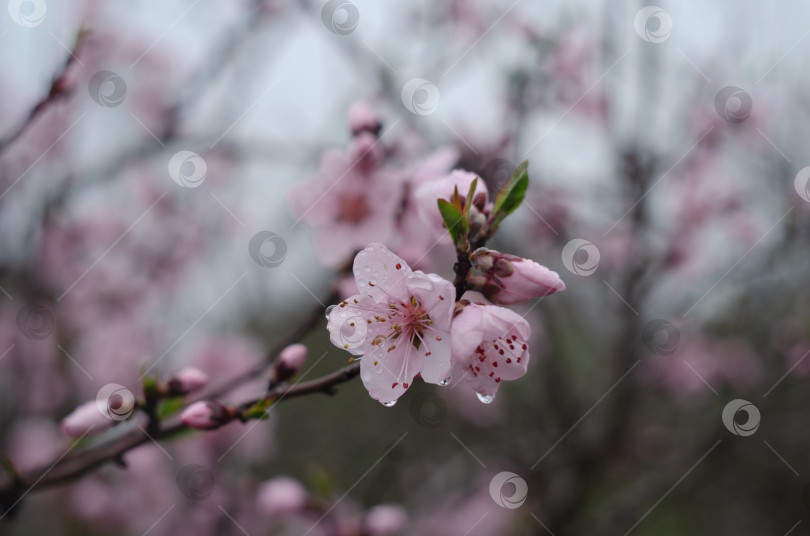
{"x":667,"y":157}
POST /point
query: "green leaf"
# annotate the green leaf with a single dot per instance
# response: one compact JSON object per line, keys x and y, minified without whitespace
{"x":511,"y":194}
{"x":453,"y":219}
{"x":470,"y":196}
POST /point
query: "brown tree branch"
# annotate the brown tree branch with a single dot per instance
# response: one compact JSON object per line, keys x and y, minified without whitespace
{"x":70,"y":466}
{"x":67,"y":468}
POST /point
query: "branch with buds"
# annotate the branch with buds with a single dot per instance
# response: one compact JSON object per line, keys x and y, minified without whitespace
{"x":471,"y":222}
{"x":88,"y":419}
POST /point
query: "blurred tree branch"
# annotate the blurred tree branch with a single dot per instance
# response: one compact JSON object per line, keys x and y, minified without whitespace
{"x":14,"y":486}
{"x":59,"y":90}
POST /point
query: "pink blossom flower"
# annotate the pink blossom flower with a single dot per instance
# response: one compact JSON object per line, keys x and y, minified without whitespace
{"x":207,"y":415}
{"x":187,"y":380}
{"x":796,"y":359}
{"x":351,"y":203}
{"x":399,"y":323}
{"x":385,"y":520}
{"x":282,"y":495}
{"x":507,"y":279}
{"x":85,"y":420}
{"x":489,"y":345}
{"x":699,"y":362}
{"x":443,"y":188}
{"x":411,"y":242}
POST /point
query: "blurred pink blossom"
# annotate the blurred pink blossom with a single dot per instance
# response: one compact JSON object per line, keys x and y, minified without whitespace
{"x":351,"y":202}
{"x":700,"y":365}
{"x":427,"y":194}
{"x":411,"y":241}
{"x":385,"y":520}
{"x":282,"y":496}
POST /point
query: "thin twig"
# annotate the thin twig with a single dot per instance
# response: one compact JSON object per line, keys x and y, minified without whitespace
{"x":71,"y":468}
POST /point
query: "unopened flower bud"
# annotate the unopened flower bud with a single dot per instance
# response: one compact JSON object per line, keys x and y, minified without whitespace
{"x":477,"y":281}
{"x":504,"y":268}
{"x":289,"y":361}
{"x":85,"y":420}
{"x":511,"y":279}
{"x":363,"y":117}
{"x":477,"y":221}
{"x":482,"y":259}
{"x":282,"y":495}
{"x":207,"y":415}
{"x":186,"y":380}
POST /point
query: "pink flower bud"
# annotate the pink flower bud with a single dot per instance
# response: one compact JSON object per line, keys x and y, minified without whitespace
{"x":385,"y":520}
{"x":85,"y":420}
{"x":511,"y":279}
{"x":282,"y":495}
{"x":187,"y":380}
{"x":363,"y":117}
{"x":207,"y":415}
{"x":289,"y":361}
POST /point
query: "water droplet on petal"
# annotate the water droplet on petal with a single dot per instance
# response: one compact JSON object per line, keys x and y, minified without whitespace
{"x":329,"y":310}
{"x":486,"y":399}
{"x":444,"y":382}
{"x":389,"y":404}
